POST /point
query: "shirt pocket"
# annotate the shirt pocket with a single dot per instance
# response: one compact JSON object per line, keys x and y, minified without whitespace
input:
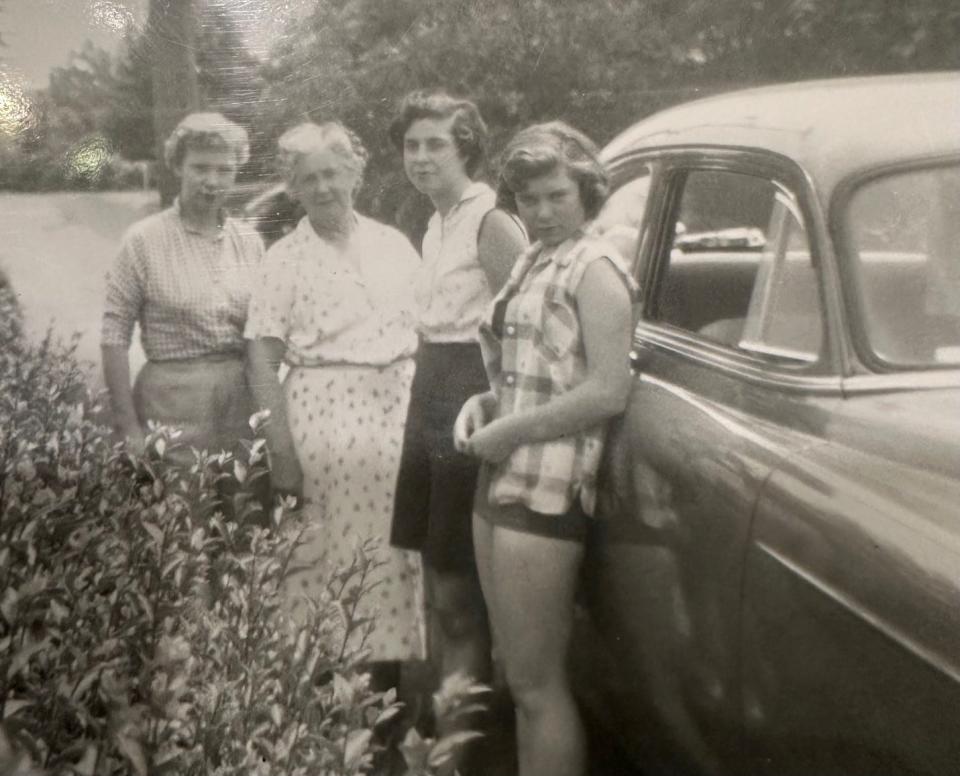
{"x":558,"y":332}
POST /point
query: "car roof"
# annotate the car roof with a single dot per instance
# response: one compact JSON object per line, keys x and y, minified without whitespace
{"x":831,"y":128}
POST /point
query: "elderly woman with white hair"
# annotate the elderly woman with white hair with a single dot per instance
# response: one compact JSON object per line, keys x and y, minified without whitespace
{"x":335,"y":303}
{"x":185,"y":276}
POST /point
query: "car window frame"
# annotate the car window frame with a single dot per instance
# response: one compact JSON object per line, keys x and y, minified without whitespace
{"x":766,"y":291}
{"x":842,"y":240}
{"x":666,"y":189}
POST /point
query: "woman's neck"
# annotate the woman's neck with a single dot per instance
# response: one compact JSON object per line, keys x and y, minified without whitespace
{"x":445,"y":201}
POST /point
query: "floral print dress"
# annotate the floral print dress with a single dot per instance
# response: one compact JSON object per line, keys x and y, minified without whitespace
{"x":346,"y":316}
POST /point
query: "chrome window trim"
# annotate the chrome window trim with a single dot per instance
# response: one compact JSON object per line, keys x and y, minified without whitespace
{"x":916,"y":380}
{"x":734,"y":363}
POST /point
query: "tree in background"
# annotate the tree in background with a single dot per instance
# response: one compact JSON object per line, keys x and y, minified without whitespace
{"x":594,"y":64}
{"x":229,"y":74}
{"x":785,"y":40}
{"x":98,"y":110}
{"x":129,"y":123}
{"x":95,"y":108}
{"x":599,"y":65}
{"x":171,"y":36}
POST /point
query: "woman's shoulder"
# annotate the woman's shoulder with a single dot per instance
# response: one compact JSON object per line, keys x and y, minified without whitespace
{"x":479,"y":200}
{"x":479,"y":190}
{"x":590,"y":247}
{"x":145,"y":239}
{"x":593,"y":243}
{"x":149,"y":227}
{"x":499,"y":220}
{"x":289,"y":248}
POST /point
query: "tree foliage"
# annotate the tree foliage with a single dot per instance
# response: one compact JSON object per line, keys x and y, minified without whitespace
{"x":100,"y":106}
{"x":142,"y":631}
{"x":599,"y":65}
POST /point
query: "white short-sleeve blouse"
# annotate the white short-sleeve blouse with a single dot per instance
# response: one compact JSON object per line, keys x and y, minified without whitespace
{"x":333,"y":305}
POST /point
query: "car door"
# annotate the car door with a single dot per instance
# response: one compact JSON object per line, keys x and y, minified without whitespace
{"x":733,"y":373}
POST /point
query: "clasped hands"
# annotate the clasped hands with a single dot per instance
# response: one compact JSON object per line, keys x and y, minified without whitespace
{"x":476,"y":433}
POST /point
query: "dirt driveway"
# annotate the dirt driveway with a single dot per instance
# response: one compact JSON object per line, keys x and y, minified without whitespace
{"x":56,"y":248}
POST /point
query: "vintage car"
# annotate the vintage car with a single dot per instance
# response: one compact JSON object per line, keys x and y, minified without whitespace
{"x":773,"y":586}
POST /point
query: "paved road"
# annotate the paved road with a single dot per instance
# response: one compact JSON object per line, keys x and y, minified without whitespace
{"x":55,"y":249}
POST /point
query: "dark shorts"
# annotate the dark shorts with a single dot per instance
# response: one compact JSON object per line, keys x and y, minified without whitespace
{"x":435,"y":486}
{"x":571,"y":526}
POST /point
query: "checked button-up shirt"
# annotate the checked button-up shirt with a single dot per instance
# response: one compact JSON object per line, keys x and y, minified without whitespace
{"x":188,"y":292}
{"x":533,"y":350}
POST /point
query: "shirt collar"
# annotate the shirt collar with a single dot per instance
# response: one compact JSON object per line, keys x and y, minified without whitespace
{"x":306,"y":229}
{"x":190,"y":229}
{"x":473,"y":190}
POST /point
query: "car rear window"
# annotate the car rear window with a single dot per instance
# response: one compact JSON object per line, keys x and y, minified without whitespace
{"x":904,"y":234}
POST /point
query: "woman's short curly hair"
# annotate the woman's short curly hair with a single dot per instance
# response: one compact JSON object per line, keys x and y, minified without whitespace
{"x":206,"y":131}
{"x":308,"y":138}
{"x":539,"y":150}
{"x":468,"y":129}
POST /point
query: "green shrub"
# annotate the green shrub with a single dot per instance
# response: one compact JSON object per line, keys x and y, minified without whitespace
{"x":140,"y":631}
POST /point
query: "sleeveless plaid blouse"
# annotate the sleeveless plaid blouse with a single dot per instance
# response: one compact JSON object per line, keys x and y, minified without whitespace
{"x":533,"y":350}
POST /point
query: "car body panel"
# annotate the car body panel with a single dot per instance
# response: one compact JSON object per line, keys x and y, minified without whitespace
{"x":774,"y":577}
{"x":672,"y":550}
{"x":851,"y":660}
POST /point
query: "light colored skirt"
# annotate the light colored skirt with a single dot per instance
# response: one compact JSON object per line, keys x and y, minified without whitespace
{"x":347,"y":424}
{"x":206,"y":397}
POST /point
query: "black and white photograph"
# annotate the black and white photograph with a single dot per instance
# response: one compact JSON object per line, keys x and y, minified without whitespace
{"x":479,"y":388}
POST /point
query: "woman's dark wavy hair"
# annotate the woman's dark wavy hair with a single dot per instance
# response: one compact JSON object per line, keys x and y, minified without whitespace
{"x":468,"y":130}
{"x":538,"y":150}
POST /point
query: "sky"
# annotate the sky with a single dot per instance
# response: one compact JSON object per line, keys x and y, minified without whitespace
{"x":40,"y":34}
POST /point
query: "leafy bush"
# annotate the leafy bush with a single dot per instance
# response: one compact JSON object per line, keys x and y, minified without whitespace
{"x":140,"y":631}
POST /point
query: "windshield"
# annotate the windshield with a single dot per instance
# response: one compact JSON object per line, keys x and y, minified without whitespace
{"x":904,"y":230}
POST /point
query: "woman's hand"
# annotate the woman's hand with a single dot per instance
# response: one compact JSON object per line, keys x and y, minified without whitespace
{"x":116,"y":375}
{"x":264,"y":356}
{"x":474,"y":415}
{"x":492,"y":443}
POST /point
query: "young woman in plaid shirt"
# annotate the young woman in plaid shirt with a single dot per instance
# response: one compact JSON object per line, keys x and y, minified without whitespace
{"x":555,"y":344}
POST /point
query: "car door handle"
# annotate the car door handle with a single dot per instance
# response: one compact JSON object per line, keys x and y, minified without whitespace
{"x":640,"y":354}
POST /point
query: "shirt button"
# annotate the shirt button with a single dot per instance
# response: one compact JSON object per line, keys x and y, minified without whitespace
{"x":511,"y":330}
{"x":510,"y":379}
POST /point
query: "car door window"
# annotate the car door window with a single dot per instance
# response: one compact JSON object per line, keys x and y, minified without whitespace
{"x":739,"y":271}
